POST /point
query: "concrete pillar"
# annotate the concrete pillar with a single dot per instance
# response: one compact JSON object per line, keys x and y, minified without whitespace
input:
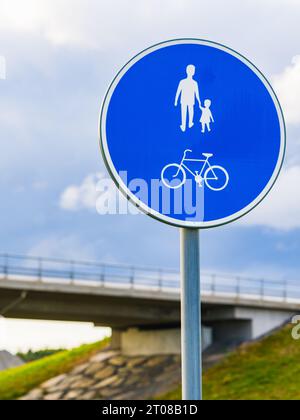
{"x":116,"y":339}
{"x":231,"y":333}
{"x":264,"y":320}
{"x":136,"y":342}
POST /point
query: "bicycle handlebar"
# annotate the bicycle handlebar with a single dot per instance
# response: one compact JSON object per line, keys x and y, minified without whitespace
{"x":187,"y":151}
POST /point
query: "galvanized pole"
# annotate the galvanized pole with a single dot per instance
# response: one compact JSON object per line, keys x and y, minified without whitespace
{"x":190,"y":315}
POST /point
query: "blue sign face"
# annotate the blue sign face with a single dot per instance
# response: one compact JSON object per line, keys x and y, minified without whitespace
{"x":192,"y":133}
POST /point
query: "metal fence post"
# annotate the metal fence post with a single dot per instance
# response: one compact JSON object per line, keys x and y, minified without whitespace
{"x":102,"y":278}
{"x":72,"y":274}
{"x":262,"y":291}
{"x":213,"y":284}
{"x":160,"y":280}
{"x":40,"y":269}
{"x":285,"y":292}
{"x":5,"y":268}
{"x":238,"y":286}
{"x":132,"y":276}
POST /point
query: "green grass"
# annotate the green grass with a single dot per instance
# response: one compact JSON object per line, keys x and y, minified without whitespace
{"x":16,"y":382}
{"x":266,"y":370}
{"x":32,"y":356}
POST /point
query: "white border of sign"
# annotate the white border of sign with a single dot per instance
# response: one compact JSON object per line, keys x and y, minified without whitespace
{"x":123,"y":188}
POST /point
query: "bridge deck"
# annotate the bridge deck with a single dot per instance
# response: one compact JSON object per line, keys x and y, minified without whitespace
{"x":121,"y":295}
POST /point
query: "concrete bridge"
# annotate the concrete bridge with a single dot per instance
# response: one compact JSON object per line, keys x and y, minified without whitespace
{"x":140,"y":304}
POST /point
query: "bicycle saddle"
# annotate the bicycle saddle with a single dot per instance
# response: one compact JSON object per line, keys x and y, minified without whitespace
{"x":207,"y":155}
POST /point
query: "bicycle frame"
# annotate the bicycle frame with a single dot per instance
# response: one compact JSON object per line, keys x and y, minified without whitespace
{"x":205,"y":163}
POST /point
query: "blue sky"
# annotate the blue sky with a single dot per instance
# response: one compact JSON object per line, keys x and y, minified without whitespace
{"x":60,"y":57}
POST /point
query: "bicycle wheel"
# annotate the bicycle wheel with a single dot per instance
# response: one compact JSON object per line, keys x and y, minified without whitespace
{"x":216,"y":178}
{"x":173,"y":176}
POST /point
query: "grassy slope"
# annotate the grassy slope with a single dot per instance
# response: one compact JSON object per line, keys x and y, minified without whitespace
{"x":16,"y":382}
{"x":266,"y":370}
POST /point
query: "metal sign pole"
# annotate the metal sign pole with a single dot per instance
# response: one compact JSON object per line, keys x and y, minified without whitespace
{"x":190,"y":315}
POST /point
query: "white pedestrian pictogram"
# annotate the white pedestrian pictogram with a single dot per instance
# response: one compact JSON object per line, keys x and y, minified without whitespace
{"x":188,"y":92}
{"x":206,"y":117}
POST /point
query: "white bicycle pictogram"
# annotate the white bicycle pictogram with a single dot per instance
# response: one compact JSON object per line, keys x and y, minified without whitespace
{"x":216,"y":177}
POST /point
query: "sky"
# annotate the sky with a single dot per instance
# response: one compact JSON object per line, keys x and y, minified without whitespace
{"x":24,"y":335}
{"x":60,"y":57}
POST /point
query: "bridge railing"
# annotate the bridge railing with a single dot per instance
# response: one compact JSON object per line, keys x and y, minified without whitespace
{"x":114,"y":275}
{"x":43,"y":269}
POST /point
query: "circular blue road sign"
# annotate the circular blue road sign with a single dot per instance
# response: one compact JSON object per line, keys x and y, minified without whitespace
{"x":192,"y":133}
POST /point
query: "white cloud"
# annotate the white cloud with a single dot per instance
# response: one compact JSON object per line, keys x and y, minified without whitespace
{"x":281,"y":208}
{"x":2,"y":68}
{"x":90,"y":18}
{"x":83,"y":196}
{"x":67,"y":247}
{"x":103,"y":24}
{"x":287,"y":86}
{"x":96,"y":192}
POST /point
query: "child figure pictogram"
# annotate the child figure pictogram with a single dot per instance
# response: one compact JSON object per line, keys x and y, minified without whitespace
{"x":206,"y":117}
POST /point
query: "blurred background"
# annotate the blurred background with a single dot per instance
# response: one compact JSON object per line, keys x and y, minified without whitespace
{"x":60,"y":56}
